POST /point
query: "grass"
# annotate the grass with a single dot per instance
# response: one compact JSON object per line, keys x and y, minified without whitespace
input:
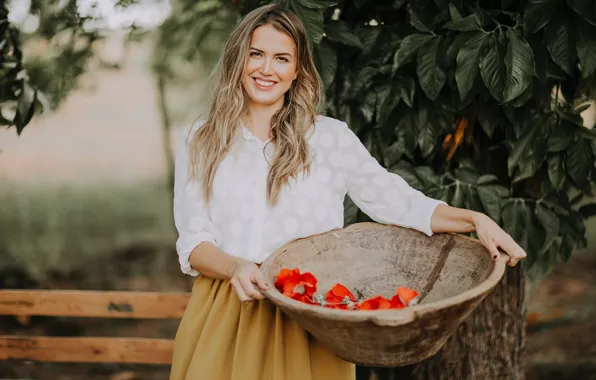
{"x":59,"y":229}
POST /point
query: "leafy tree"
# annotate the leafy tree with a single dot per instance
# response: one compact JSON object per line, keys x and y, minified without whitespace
{"x":472,"y":102}
{"x":17,"y":97}
{"x":43,"y":80}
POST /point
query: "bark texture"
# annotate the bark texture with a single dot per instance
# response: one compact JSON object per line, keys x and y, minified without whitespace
{"x":488,"y":345}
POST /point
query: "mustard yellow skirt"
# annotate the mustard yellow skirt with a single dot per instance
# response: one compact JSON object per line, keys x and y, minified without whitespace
{"x":219,"y":338}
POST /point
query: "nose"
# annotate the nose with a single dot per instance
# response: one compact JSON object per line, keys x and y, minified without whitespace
{"x":266,"y":66}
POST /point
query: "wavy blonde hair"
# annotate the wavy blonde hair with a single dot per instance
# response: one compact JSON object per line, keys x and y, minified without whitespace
{"x":302,"y":103}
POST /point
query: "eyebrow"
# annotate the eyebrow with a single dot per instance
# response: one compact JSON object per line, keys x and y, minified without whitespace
{"x":277,"y":54}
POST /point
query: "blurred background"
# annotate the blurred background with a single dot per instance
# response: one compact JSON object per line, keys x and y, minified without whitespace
{"x":85,"y":189}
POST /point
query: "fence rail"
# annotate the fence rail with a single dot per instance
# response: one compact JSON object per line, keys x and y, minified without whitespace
{"x":74,"y":303}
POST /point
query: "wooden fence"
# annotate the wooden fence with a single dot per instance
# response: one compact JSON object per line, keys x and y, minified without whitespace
{"x":65,"y":303}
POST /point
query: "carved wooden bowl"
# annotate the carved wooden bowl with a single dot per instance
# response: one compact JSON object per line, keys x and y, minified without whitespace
{"x":452,"y":273}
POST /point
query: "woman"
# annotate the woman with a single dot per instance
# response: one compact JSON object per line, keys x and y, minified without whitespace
{"x":282,"y":174}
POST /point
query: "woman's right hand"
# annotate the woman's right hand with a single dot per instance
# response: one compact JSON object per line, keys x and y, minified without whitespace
{"x":247,"y":280}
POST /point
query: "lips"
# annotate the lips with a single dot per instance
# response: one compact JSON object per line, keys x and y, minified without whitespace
{"x":264,"y":84}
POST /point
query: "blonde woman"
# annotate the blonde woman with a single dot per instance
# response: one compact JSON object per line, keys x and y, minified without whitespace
{"x":263,"y":169}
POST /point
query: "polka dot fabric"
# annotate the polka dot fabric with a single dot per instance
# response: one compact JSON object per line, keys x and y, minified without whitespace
{"x":240,"y":222}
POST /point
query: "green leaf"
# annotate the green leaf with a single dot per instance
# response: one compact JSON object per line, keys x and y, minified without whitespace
{"x":25,"y":106}
{"x":578,"y":160}
{"x":473,"y":201}
{"x":422,"y":14}
{"x":574,"y":194}
{"x":317,"y":4}
{"x":491,"y":201}
{"x":405,"y":129}
{"x":556,"y":174}
{"x":520,"y":66}
{"x":458,"y":196}
{"x":454,"y":12}
{"x":541,"y":267}
{"x":586,"y":49}
{"x":388,"y":98}
{"x":467,"y":63}
{"x":492,"y":68}
{"x":428,"y":176}
{"x":559,"y":138}
{"x":430,"y":76}
{"x":312,"y":17}
{"x":407,"y":90}
{"x":533,"y":157}
{"x":486,"y":179}
{"x":393,"y":153}
{"x":340,"y":32}
{"x":326,"y":61}
{"x":516,"y":216}
{"x":560,"y":42}
{"x":466,"y":24}
{"x":520,"y":147}
{"x":538,"y":13}
{"x":368,"y":105}
{"x":363,"y":79}
{"x":368,"y":35}
{"x":466,"y":174}
{"x":584,"y":8}
{"x":427,"y":136}
{"x":455,"y":46}
{"x":549,"y":220}
{"x":524,"y":97}
{"x":408,"y":47}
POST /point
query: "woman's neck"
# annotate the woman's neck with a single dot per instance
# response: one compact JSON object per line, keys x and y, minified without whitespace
{"x":259,"y":120}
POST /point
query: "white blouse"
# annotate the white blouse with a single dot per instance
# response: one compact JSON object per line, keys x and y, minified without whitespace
{"x":241,"y":223}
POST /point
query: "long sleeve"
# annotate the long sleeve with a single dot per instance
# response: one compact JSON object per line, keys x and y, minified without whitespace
{"x":384,"y":196}
{"x":191,"y":215}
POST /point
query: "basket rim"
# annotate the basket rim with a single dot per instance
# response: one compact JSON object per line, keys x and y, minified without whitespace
{"x":393,"y":317}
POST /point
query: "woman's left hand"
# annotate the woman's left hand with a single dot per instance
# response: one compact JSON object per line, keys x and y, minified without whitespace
{"x":493,"y":238}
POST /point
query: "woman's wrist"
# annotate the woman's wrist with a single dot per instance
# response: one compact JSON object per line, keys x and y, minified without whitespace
{"x":477,"y":218}
{"x":452,"y":219}
{"x":232,"y":268}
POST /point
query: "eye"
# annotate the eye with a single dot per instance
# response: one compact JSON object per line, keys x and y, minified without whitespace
{"x":283,"y":59}
{"x":254,"y":53}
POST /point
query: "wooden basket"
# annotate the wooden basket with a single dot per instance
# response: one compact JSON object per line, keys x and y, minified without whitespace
{"x":452,"y":273}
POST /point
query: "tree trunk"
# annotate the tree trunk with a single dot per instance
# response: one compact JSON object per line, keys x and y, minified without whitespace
{"x":166,"y":126}
{"x":487,"y":346}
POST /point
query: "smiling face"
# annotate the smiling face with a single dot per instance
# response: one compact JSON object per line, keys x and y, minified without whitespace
{"x":271,"y":67}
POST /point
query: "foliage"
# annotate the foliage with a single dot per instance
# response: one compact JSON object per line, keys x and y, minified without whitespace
{"x":471,"y":102}
{"x":194,"y":32}
{"x":17,"y":97}
{"x":64,"y":47}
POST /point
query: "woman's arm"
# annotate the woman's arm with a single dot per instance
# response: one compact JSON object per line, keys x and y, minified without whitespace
{"x":451,"y":219}
{"x":197,"y":245}
{"x":245,"y":276}
{"x":211,"y":261}
{"x":387,"y":198}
